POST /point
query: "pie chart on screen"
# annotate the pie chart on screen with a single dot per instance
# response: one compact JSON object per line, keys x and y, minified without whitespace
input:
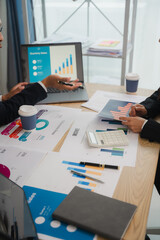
{"x":5,"y":171}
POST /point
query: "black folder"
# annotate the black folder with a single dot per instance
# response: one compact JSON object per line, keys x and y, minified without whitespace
{"x":96,"y":213}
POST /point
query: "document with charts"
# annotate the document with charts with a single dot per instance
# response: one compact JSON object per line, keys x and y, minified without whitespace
{"x":52,"y":123}
{"x":18,"y":163}
{"x":100,"y":98}
{"x":59,"y":181}
{"x":121,"y":156}
{"x":114,"y":109}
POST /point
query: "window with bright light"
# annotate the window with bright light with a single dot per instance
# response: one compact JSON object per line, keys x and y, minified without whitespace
{"x":81,"y":18}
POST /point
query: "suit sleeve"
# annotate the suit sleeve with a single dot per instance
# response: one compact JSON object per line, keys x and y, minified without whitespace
{"x":29,"y":96}
{"x":151,"y":131}
{"x":152,"y":104}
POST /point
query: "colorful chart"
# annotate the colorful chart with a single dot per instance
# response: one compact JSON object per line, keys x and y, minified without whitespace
{"x":113,"y":129}
{"x":63,"y":61}
{"x":66,"y":67}
{"x":14,"y":130}
{"x":5,"y":170}
{"x":48,"y":201}
{"x":109,"y":43}
{"x":114,"y":152}
{"x":82,"y":169}
{"x":114,"y":109}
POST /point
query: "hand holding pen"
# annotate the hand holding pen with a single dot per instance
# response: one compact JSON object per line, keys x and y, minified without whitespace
{"x":71,"y":83}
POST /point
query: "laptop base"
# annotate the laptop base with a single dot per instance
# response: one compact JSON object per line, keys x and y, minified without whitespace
{"x":80,"y":95}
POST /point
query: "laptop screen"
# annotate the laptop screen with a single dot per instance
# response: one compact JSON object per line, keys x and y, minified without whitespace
{"x":16,"y":222}
{"x":41,"y":60}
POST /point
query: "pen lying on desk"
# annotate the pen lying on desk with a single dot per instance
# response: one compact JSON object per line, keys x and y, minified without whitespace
{"x":87,"y":176}
{"x":99,"y":165}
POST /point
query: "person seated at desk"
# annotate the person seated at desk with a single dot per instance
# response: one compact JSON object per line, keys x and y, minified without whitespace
{"x":141,"y":121}
{"x":19,"y":95}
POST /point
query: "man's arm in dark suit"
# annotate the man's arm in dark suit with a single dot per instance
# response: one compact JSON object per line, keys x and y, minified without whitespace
{"x":151,"y":131}
{"x":29,"y":96}
{"x":152,"y":105}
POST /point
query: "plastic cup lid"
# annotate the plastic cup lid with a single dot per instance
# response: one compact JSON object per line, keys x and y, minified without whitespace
{"x":132,"y":76}
{"x":27,"y":110}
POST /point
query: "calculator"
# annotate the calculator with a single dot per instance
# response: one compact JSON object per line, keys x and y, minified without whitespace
{"x":112,"y":138}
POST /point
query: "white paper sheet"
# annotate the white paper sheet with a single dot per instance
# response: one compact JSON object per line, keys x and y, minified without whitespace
{"x":54,"y":174}
{"x":53,"y":123}
{"x":100,"y":98}
{"x":77,"y":144}
{"x":18,"y":164}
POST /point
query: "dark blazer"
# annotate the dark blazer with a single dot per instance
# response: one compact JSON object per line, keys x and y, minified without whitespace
{"x":29,"y":96}
{"x":151,"y":129}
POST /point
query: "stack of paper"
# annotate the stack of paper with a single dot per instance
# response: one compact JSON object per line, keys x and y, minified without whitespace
{"x":106,"y":47}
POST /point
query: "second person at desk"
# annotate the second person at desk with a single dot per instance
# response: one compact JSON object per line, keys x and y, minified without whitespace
{"x":141,"y":121}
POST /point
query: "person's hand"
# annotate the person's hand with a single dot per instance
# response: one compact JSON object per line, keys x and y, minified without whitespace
{"x":56,"y":81}
{"x":138,"y":110}
{"x":133,"y":123}
{"x":16,"y":89}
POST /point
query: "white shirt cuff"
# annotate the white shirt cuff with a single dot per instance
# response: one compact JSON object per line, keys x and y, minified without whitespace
{"x":43,"y":85}
{"x":144,"y":124}
{"x":0,"y":98}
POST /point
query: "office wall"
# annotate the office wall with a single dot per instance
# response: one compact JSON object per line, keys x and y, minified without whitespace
{"x":3,"y":50}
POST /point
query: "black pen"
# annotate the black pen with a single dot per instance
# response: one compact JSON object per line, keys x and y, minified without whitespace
{"x":69,"y":84}
{"x":65,"y":83}
{"x":99,"y":165}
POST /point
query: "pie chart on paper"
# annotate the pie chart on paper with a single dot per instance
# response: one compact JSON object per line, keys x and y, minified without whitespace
{"x":5,"y":171}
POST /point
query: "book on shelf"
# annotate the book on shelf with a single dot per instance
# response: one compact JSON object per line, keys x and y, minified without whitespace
{"x":107,"y":47}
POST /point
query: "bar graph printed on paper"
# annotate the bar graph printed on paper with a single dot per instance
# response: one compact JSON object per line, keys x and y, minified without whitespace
{"x":82,"y":181}
{"x":66,"y":67}
{"x":115,"y":109}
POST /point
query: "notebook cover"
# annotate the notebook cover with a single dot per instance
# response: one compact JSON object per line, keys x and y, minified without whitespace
{"x":115,"y":109}
{"x":96,"y":213}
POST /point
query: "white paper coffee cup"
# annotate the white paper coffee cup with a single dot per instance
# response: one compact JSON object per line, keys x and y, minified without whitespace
{"x":132,"y":80}
{"x":28,"y":115}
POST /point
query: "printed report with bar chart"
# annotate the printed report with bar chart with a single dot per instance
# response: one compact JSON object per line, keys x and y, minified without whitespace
{"x":88,"y":121}
{"x":114,"y":109}
{"x":52,"y":181}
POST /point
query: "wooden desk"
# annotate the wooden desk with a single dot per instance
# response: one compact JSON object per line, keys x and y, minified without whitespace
{"x":136,"y":183}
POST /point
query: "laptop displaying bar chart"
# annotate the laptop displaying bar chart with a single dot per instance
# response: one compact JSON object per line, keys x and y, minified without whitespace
{"x":63,"y":59}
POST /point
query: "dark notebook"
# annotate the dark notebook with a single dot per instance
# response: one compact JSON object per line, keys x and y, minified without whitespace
{"x":96,"y":213}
